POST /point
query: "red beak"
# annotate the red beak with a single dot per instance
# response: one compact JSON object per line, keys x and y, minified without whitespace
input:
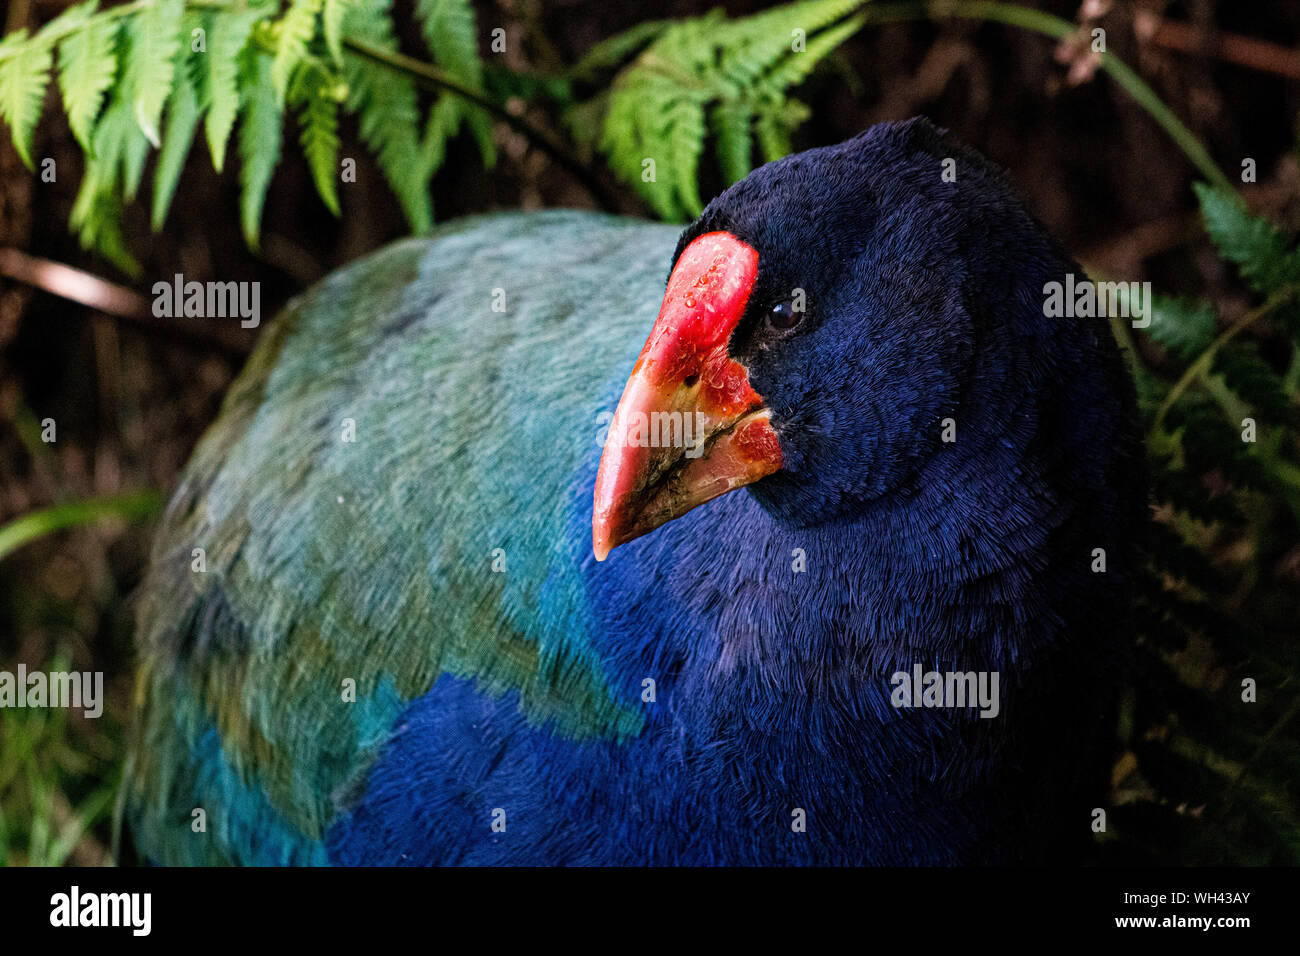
{"x":689,"y":426}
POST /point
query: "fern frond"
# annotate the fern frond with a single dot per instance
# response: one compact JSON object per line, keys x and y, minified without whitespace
{"x":87,"y":65}
{"x":735,"y":72}
{"x":332,"y":27}
{"x":312,"y":89}
{"x":127,"y":143}
{"x":1262,"y":253}
{"x":24,"y":74}
{"x":1248,"y":376}
{"x":1185,"y":327}
{"x":296,"y":30}
{"x":101,"y":228}
{"x":228,"y":32}
{"x":774,"y":125}
{"x":610,"y":53}
{"x":794,"y":69}
{"x":441,"y":126}
{"x":155,"y":37}
{"x":763,"y":46}
{"x":685,"y":137}
{"x":260,"y":134}
{"x":97,"y":211}
{"x":733,"y":128}
{"x":388,"y":110}
{"x":654,"y":157}
{"x":178,"y":136}
{"x":450,"y":32}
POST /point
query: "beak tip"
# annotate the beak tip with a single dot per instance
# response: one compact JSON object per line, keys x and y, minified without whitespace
{"x":601,"y":542}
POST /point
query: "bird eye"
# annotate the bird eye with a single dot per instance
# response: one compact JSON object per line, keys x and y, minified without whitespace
{"x":783,"y":316}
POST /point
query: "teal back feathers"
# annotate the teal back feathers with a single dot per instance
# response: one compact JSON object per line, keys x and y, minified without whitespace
{"x":325,"y":563}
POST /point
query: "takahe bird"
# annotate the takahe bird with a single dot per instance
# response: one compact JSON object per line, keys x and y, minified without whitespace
{"x":384,"y":624}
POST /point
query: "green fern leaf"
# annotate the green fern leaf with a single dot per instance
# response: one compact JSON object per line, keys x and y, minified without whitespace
{"x":388,"y":110}
{"x":1250,"y":377}
{"x":312,"y":89}
{"x":733,"y":128}
{"x":1183,"y":326}
{"x":685,"y":137}
{"x":155,"y":35}
{"x":97,"y":211}
{"x":297,"y":28}
{"x":87,"y":65}
{"x":616,"y":50}
{"x":101,"y":228}
{"x":450,"y":32}
{"x":24,"y":74}
{"x":644,"y":112}
{"x":332,"y":27}
{"x":796,"y":67}
{"x":765,"y":43}
{"x":178,"y":136}
{"x":128,"y":144}
{"x":260,"y":135}
{"x":228,"y":33}
{"x":1258,"y":248}
{"x":774,"y":125}
{"x":735,"y":72}
{"x":444,"y":118}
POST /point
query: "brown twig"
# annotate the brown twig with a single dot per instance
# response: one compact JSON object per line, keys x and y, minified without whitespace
{"x":85,"y":288}
{"x":1230,"y":47}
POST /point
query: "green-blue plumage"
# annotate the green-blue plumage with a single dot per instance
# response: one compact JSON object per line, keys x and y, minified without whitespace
{"x":325,"y":561}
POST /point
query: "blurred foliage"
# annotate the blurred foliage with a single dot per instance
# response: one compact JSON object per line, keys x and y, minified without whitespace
{"x":73,"y":513}
{"x":71,"y":770}
{"x":1220,"y":767}
{"x":710,"y":74}
{"x":144,"y":75}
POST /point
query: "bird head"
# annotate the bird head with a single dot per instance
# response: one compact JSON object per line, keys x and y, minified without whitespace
{"x":816,"y":330}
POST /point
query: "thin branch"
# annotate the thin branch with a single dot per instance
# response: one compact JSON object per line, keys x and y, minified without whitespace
{"x":88,"y":289}
{"x":1230,"y":47}
{"x":429,"y":76}
{"x":71,"y":283}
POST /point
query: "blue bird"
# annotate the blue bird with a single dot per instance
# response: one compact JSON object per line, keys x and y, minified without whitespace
{"x":835,"y":571}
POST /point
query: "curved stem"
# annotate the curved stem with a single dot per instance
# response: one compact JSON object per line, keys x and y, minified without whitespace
{"x":431,"y":77}
{"x":1055,"y":27}
{"x":1205,"y":360}
{"x":53,"y":36}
